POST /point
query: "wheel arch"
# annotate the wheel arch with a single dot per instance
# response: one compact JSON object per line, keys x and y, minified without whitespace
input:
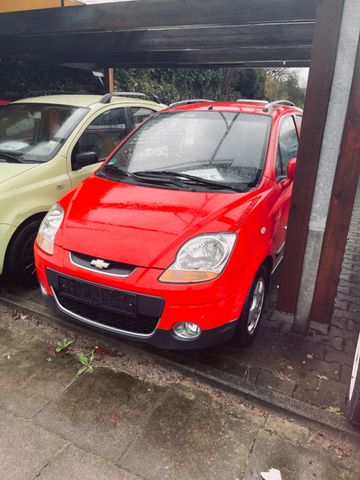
{"x":268,"y":264}
{"x":36,"y":216}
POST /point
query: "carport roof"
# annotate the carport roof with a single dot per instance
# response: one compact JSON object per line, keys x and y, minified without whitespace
{"x":151,"y":33}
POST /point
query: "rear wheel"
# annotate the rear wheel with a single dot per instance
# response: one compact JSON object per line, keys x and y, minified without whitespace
{"x":249,"y":321}
{"x":20,"y":258}
{"x":353,"y":407}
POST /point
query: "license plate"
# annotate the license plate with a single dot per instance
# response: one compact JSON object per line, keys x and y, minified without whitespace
{"x":98,"y":296}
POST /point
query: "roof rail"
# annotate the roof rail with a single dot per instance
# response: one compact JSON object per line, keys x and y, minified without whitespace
{"x":189,"y":101}
{"x":108,"y":96}
{"x":251,"y":100}
{"x":276,"y":103}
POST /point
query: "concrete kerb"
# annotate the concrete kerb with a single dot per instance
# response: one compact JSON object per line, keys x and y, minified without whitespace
{"x":211,"y":376}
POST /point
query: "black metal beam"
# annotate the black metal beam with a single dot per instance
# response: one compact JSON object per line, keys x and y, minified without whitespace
{"x":224,"y":56}
{"x":145,"y":14}
{"x":279,"y":35}
{"x":100,"y":64}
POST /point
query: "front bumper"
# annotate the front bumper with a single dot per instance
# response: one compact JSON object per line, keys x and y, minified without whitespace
{"x":162,"y":339}
{"x":215,"y":306}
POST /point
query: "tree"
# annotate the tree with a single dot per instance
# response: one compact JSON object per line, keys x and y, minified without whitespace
{"x":178,"y":84}
{"x":19,"y":78}
{"x":284,"y":84}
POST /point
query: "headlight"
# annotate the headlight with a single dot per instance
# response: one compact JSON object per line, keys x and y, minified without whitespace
{"x":201,"y":258}
{"x":49,"y":227}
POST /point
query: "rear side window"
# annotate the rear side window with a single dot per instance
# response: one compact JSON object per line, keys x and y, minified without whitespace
{"x":140,"y":114}
{"x":288,"y":145}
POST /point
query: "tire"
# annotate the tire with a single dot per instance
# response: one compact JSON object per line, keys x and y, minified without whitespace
{"x":249,"y":320}
{"x":20,"y":264}
{"x":353,"y":406}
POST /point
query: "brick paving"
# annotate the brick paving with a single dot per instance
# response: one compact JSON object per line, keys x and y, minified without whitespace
{"x":315,"y":368}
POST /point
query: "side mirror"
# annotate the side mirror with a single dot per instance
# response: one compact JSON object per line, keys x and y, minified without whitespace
{"x":291,"y":167}
{"x":83,"y":159}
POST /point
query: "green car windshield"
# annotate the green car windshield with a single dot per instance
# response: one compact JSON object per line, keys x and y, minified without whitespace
{"x":224,"y":147}
{"x":34,"y":132}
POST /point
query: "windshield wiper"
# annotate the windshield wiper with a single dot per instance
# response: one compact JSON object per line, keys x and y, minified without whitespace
{"x":185,"y":178}
{"x":9,"y":156}
{"x":115,"y":170}
{"x":146,"y":179}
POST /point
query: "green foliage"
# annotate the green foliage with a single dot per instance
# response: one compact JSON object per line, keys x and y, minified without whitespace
{"x":63,"y":345}
{"x":214,"y":83}
{"x":284,"y":84}
{"x":334,"y":410}
{"x":177,"y":84}
{"x":19,"y":78}
{"x":86,"y":360}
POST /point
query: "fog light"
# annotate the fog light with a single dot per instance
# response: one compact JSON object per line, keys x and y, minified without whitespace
{"x":187,"y":330}
{"x":43,"y":290}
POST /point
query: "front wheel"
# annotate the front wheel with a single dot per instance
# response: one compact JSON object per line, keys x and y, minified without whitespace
{"x":20,"y":257}
{"x":249,"y":321}
{"x":353,"y":407}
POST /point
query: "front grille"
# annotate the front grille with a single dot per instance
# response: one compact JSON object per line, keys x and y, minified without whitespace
{"x":141,"y":324}
{"x":124,"y":311}
{"x":113,"y":268}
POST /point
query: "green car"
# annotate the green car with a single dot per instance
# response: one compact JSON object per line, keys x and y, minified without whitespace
{"x":47,"y":145}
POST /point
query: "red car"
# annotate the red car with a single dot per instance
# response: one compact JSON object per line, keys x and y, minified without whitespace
{"x":173,"y":240}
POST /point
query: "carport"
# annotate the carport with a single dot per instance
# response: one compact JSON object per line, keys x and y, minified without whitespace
{"x":322,"y":34}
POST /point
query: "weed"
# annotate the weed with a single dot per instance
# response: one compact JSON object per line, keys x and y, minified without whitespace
{"x":86,"y":360}
{"x":63,"y":345}
{"x":334,"y":411}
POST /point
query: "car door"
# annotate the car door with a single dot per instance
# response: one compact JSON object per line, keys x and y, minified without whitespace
{"x":100,"y":136}
{"x":288,"y":143}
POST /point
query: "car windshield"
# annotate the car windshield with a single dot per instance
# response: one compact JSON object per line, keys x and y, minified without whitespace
{"x":32,"y":132}
{"x":224,"y":148}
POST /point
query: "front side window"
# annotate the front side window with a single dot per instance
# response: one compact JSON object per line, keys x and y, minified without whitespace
{"x":224,"y":147}
{"x":103,"y":134}
{"x":288,"y":143}
{"x":32,"y":132}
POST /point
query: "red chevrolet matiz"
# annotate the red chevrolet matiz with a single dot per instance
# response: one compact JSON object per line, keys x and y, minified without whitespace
{"x":173,"y":240}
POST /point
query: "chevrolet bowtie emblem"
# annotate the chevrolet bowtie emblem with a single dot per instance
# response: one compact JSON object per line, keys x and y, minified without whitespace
{"x":100,"y":264}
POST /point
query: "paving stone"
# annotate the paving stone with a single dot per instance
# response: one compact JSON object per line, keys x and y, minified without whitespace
{"x":276,"y":382}
{"x":285,"y":427}
{"x":332,"y":355}
{"x":32,"y":377}
{"x":190,"y":439}
{"x":308,"y":348}
{"x":24,"y":448}
{"x":318,"y":327}
{"x":10,"y":341}
{"x":294,"y":462}
{"x":75,"y":464}
{"x":101,"y":412}
{"x":282,"y":316}
{"x":342,"y":332}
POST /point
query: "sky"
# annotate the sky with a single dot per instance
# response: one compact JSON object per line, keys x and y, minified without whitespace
{"x":303,"y":74}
